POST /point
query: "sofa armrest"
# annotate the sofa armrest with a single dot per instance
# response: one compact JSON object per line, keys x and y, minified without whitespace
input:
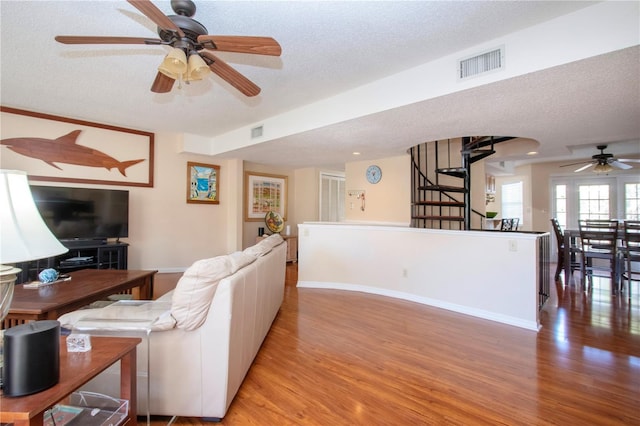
{"x":123,"y":315}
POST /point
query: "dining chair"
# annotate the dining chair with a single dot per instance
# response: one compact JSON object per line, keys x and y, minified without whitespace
{"x":574,"y":250}
{"x":506,"y":224}
{"x":599,"y":250}
{"x":631,"y":254}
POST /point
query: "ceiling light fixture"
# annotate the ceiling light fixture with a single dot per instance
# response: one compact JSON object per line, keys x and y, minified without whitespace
{"x":197,"y":68}
{"x":602,"y":168}
{"x":174,"y":64}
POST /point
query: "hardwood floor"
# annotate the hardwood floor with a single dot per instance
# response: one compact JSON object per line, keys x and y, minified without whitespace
{"x":345,"y":358}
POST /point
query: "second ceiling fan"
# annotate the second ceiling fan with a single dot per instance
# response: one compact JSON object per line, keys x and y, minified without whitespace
{"x":603,"y":162}
{"x":192,"y":55}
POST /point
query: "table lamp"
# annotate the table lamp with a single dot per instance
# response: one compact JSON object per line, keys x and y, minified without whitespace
{"x":23,"y":234}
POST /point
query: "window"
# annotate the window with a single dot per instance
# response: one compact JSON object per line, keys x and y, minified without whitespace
{"x":595,"y":197}
{"x":593,"y":202}
{"x":632,"y":201}
{"x":561,"y":205}
{"x":512,"y":201}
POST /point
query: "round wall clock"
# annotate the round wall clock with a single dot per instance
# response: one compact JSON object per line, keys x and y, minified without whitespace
{"x":374,"y":174}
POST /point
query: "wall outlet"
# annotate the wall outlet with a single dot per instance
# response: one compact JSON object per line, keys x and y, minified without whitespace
{"x":513,"y":245}
{"x":405,"y":274}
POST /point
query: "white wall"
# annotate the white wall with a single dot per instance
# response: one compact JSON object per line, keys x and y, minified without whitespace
{"x":389,"y":200}
{"x":492,"y":275}
{"x":165,"y":232}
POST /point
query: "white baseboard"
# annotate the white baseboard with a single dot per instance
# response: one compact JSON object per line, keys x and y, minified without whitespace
{"x":478,"y":313}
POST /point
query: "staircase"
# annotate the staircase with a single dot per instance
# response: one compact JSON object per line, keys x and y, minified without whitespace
{"x":441,"y":181}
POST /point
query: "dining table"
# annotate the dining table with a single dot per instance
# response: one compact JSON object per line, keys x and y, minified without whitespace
{"x":571,"y":237}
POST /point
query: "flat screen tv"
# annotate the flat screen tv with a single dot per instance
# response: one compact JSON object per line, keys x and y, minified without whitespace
{"x":78,"y":216}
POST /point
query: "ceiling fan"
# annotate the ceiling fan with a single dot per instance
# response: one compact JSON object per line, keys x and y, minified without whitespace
{"x":603,"y":162}
{"x":192,"y":55}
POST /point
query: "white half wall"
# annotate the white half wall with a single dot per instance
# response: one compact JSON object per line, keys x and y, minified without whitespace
{"x":491,"y":275}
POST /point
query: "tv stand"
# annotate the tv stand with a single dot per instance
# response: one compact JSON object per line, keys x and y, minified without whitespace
{"x":95,"y":254}
{"x":80,"y":243}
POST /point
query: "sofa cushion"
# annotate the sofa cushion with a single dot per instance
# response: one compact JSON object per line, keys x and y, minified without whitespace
{"x":239,"y":260}
{"x":257,"y":250}
{"x":273,"y":240}
{"x":264,"y":246}
{"x":195,"y":290}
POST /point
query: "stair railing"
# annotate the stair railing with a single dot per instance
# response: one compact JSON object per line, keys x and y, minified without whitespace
{"x":423,"y":203}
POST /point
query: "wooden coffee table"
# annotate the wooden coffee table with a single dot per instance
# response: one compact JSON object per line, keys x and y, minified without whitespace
{"x":86,"y":286}
{"x":76,"y":369}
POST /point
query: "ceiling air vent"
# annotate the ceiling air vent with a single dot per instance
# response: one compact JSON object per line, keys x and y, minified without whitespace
{"x":482,"y":63}
{"x":256,"y":132}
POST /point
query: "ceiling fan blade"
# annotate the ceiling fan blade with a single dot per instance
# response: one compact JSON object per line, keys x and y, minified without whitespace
{"x":106,"y":40}
{"x":162,"y":83}
{"x":156,"y":15}
{"x":622,"y":166}
{"x":630,"y":160}
{"x":241,"y":44}
{"x":575,"y":164}
{"x":230,"y":75}
{"x":585,"y":167}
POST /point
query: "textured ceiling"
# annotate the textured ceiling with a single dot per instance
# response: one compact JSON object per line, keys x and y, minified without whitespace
{"x":328,"y":48}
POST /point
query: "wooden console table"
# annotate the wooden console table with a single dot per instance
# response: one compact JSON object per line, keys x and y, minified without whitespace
{"x":86,"y":286}
{"x":76,"y":369}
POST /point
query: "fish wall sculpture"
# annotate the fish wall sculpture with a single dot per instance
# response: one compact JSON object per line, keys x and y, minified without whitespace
{"x":65,"y":150}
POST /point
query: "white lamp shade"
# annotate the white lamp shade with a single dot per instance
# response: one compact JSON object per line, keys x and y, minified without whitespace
{"x":23,"y":234}
{"x":197,"y":68}
{"x":174,"y":64}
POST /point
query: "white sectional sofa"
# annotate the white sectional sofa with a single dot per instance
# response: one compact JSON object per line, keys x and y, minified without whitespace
{"x":204,"y":334}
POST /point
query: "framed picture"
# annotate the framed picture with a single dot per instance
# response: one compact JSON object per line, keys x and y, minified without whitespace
{"x":264,"y":193}
{"x":60,"y":149}
{"x":203,"y":183}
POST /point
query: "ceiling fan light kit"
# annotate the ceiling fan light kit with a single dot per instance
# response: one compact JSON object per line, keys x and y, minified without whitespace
{"x":174,"y":64}
{"x":602,"y":168}
{"x":189,"y":39}
{"x":197,"y":69}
